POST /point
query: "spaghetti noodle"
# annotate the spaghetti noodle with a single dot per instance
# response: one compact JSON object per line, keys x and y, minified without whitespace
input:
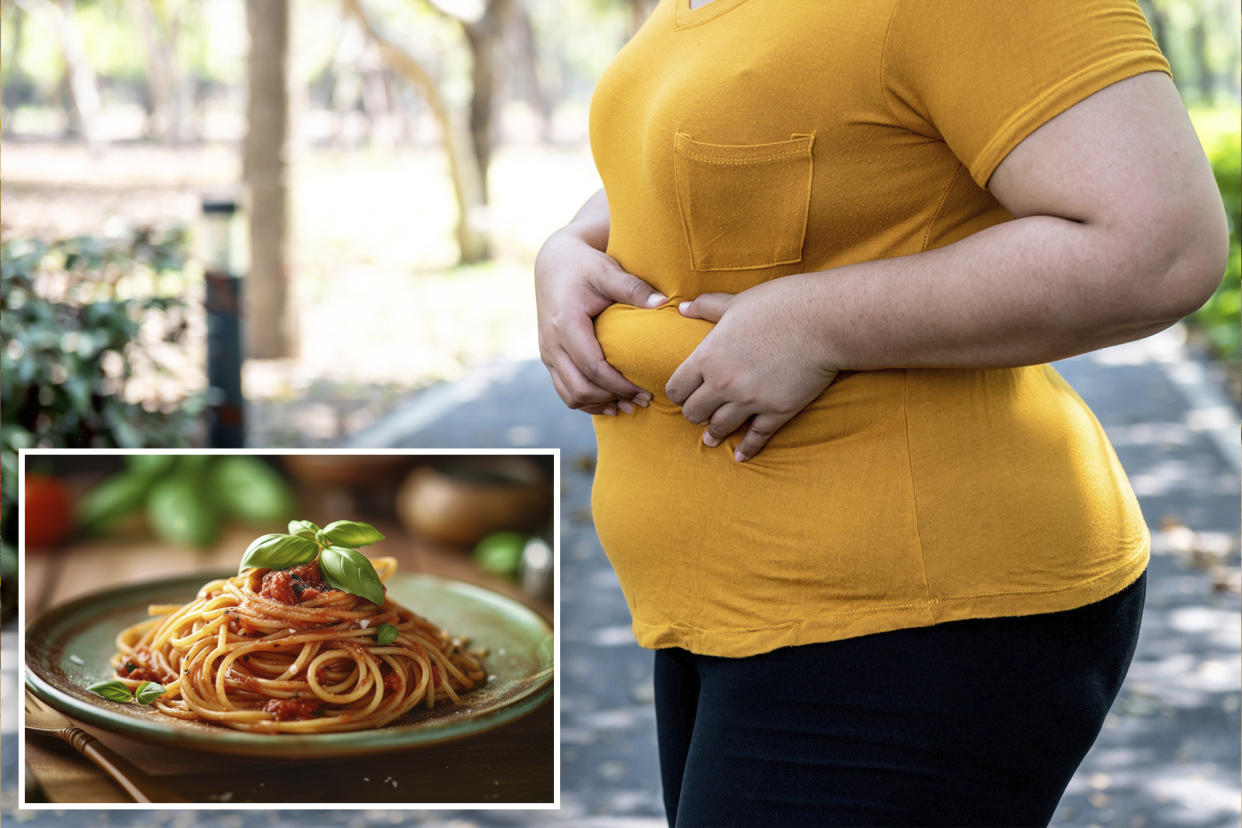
{"x":281,"y":651}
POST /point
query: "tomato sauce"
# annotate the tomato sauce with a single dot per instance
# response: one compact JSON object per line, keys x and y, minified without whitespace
{"x":136,"y":667}
{"x":287,"y":710}
{"x":294,"y":585}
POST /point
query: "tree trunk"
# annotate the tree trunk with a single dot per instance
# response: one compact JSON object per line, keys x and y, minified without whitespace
{"x":80,"y":77}
{"x":484,"y":39}
{"x":11,"y":71}
{"x":269,"y":325}
{"x":344,"y":88}
{"x":375,"y":104}
{"x":405,"y":109}
{"x":526,"y":51}
{"x":463,"y":165}
{"x":1198,"y":47}
{"x":164,"y":116}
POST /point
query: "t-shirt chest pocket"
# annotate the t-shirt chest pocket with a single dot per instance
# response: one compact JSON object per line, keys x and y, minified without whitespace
{"x":743,"y":206}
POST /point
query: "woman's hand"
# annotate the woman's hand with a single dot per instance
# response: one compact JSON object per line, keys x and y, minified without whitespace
{"x":574,"y":282}
{"x":760,"y":363}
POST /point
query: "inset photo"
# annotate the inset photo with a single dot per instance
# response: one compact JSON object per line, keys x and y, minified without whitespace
{"x":311,"y":630}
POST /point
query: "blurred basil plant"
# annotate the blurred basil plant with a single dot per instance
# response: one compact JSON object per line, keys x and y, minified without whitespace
{"x":187,"y":499}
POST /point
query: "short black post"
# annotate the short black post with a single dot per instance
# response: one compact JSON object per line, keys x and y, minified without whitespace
{"x":226,"y":418}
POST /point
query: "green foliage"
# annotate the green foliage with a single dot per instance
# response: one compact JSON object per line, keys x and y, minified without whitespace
{"x":187,"y":499}
{"x":248,"y":489}
{"x":212,"y":44}
{"x":577,"y":41}
{"x":500,"y":553}
{"x":1219,"y":319}
{"x":39,"y":58}
{"x":1200,"y":40}
{"x":109,"y":36}
{"x":80,"y":319}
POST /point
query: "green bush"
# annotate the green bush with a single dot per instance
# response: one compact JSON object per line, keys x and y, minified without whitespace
{"x":1219,"y":320}
{"x":71,"y":315}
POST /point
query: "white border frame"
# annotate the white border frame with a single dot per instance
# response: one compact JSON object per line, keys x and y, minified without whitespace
{"x":555,"y":453}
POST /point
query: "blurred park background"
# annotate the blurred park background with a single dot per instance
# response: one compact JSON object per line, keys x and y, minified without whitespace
{"x":396,"y":166}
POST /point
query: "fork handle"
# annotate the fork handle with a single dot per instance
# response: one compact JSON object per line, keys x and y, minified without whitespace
{"x":136,"y":782}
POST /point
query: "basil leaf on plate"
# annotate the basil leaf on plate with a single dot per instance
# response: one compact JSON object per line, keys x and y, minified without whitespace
{"x":111,"y":500}
{"x":150,"y":465}
{"x":349,"y":533}
{"x":247,"y":488}
{"x":112,"y":690}
{"x":303,"y":529}
{"x":148,"y":692}
{"x":385,"y":634}
{"x":178,"y":512}
{"x":350,"y":571}
{"x":278,"y":552}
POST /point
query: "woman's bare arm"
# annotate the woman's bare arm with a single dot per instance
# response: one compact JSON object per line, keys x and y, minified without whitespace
{"x":1119,"y":232}
{"x":591,"y":222}
{"x":574,"y":281}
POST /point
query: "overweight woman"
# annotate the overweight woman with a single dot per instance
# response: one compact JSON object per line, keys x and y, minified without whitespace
{"x":890,"y":566}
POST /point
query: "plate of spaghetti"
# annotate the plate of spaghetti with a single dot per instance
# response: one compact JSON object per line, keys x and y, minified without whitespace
{"x":292,"y":657}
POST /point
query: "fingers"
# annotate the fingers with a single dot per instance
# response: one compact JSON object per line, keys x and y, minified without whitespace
{"x":582,"y":349}
{"x":702,"y":404}
{"x":573,"y":389}
{"x":684,"y":381}
{"x":761,"y":430}
{"x":727,"y":419}
{"x":617,"y":285}
{"x":709,"y":306}
{"x":579,"y":393}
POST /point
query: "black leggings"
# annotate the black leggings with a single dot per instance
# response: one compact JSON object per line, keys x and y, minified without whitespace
{"x":979,"y":722}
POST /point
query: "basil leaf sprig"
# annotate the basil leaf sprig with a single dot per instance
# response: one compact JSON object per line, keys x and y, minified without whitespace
{"x":279,"y":552}
{"x":386,"y":634}
{"x":303,"y":529}
{"x":349,"y":569}
{"x":113,"y":690}
{"x":336,"y":547}
{"x":148,"y":692}
{"x":348,"y":533}
{"x":117,"y":691}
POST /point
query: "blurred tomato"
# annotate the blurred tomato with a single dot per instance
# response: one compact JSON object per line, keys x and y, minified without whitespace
{"x":48,"y":511}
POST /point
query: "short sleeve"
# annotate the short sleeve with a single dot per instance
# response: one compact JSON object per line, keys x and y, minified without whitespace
{"x":984,"y":74}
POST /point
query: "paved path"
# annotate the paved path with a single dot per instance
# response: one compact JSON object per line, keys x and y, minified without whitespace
{"x":1169,"y":754}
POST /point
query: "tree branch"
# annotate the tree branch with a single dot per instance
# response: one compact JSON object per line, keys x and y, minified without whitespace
{"x":466,"y":177}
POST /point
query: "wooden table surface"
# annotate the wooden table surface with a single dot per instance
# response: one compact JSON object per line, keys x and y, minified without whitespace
{"x":513,"y":763}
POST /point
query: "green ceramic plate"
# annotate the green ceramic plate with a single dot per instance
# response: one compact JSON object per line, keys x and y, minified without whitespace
{"x":68,"y":649}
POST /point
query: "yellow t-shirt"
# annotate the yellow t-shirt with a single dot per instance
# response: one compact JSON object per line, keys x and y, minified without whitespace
{"x":751,"y":139}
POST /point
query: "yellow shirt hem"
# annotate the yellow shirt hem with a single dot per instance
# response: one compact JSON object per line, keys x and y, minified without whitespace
{"x":737,"y":643}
